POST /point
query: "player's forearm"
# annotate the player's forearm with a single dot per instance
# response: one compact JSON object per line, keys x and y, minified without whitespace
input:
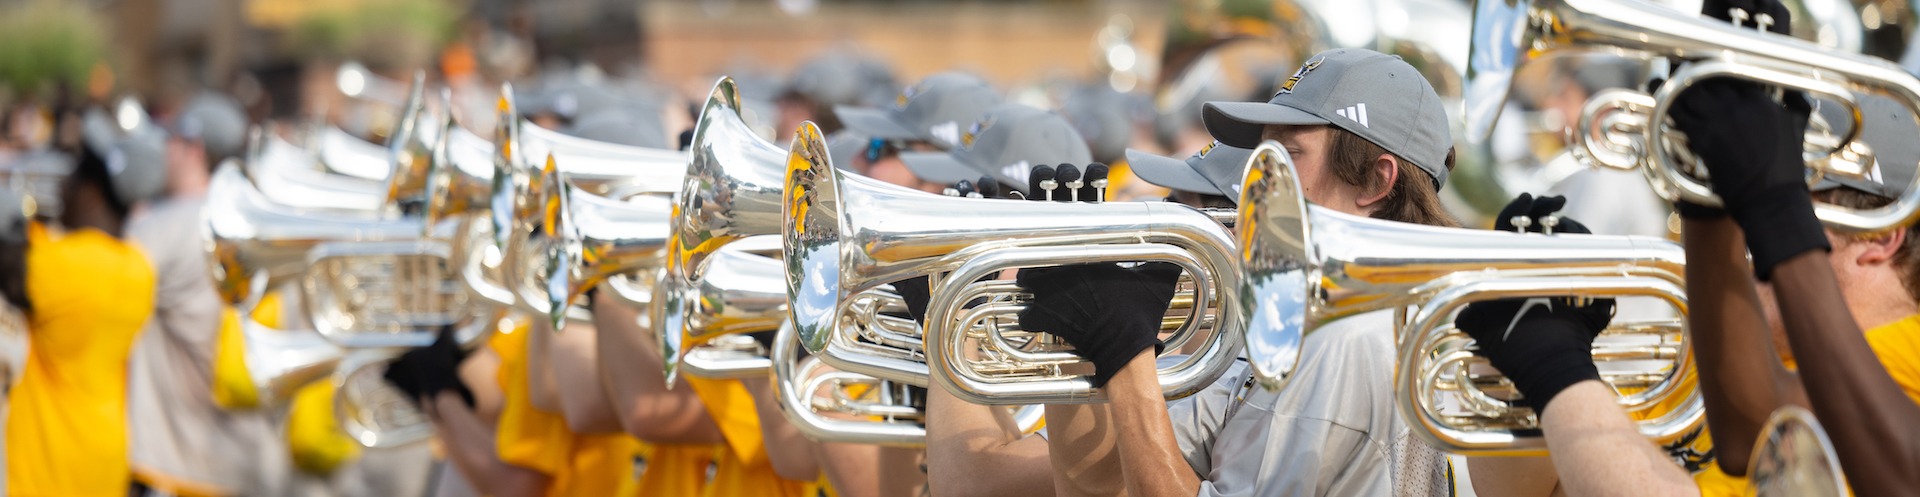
{"x":968,"y":453}
{"x":854,"y":469}
{"x":1597,"y":451}
{"x":470,"y":445}
{"x":791,"y":453}
{"x":637,"y":384}
{"x":1149,"y":453}
{"x":1741,"y":379}
{"x":576,"y":369}
{"x":1869,"y":419}
{"x":543,"y":390}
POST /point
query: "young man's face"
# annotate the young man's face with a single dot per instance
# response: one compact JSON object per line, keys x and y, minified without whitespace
{"x":1309,"y":147}
{"x":1856,"y":282}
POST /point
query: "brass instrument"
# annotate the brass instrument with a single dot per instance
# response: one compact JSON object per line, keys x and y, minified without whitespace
{"x":845,"y":235}
{"x":369,"y":409}
{"x":730,"y":190}
{"x":1795,"y":458}
{"x":282,"y":361}
{"x":1308,"y":265}
{"x":1627,"y":129}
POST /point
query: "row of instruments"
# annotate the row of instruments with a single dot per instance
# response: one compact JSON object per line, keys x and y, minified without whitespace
{"x":739,"y":235}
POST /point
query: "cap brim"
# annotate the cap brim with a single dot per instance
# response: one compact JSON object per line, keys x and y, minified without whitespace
{"x":843,"y":148}
{"x":1168,"y":172}
{"x":942,"y":167}
{"x":1240,"y":124}
{"x":873,"y":123}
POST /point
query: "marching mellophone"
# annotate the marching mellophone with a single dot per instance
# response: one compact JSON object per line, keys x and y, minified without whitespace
{"x":1629,"y":129}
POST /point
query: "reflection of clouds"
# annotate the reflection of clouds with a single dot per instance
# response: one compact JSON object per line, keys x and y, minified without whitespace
{"x":817,"y":295}
{"x":1279,"y":322}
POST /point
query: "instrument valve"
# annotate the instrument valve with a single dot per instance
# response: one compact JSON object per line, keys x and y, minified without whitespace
{"x":1041,"y":180}
{"x":1069,"y":176}
{"x":1097,"y":180}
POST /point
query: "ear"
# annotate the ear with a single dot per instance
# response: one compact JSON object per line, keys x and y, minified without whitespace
{"x":1880,"y":249}
{"x":1388,"y":170}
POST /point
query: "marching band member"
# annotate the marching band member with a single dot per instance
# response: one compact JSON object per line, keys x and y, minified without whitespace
{"x":182,"y":442}
{"x":969,"y":452}
{"x":1854,"y":381}
{"x":1333,"y":430}
{"x":89,"y":291}
{"x":682,"y":438}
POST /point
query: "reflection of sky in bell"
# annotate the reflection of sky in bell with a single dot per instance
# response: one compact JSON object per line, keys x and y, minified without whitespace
{"x":817,"y":295}
{"x":1497,"y":30}
{"x":1279,"y":321}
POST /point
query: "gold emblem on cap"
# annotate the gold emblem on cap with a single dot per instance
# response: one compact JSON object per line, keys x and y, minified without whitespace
{"x":1287,"y":87}
{"x":974,"y":131}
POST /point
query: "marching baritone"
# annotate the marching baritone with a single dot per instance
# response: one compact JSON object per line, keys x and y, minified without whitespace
{"x":89,"y":292}
{"x":1333,"y":430}
{"x":1828,"y":286}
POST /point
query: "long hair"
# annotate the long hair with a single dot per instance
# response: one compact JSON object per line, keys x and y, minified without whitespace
{"x":1413,"y":198}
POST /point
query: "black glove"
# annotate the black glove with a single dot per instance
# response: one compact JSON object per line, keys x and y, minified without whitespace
{"x":425,"y":371}
{"x":1107,"y":312}
{"x":1750,"y":146}
{"x":1722,"y":10}
{"x":1536,"y":210}
{"x":917,"y":293}
{"x":1544,"y":351}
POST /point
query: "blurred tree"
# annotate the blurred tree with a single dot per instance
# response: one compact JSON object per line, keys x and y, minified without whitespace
{"x":384,"y":34}
{"x":48,"y":43}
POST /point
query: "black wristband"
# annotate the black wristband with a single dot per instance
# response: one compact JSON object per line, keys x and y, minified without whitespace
{"x":1780,"y":228}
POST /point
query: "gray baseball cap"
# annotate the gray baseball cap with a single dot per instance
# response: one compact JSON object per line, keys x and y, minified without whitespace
{"x":217,"y":120}
{"x":1005,"y":143}
{"x":1216,"y":169}
{"x":937,"y":110}
{"x":1888,"y":129}
{"x":133,"y":148}
{"x":1104,"y":117}
{"x":625,"y":125}
{"x":1374,"y":95}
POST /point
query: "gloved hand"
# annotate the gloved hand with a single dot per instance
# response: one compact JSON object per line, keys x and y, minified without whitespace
{"x":1543,"y":345}
{"x":917,"y":293}
{"x":1109,"y":313}
{"x":425,"y":371}
{"x":1750,"y":146}
{"x":1535,"y":210}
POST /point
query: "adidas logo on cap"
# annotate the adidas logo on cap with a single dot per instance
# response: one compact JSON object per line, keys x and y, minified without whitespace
{"x":1355,"y":112}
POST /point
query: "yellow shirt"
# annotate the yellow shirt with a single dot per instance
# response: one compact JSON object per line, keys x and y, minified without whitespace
{"x":67,"y":434}
{"x":1897,"y":344}
{"x":741,"y":466}
{"x":675,"y":470}
{"x":584,"y":465}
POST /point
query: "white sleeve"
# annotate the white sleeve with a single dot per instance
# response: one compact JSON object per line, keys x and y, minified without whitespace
{"x":1197,"y":420}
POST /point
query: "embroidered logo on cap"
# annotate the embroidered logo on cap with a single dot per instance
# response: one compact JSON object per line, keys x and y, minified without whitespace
{"x":1287,"y":87}
{"x":906,"y":95}
{"x":1202,"y":154}
{"x":973,"y":132}
{"x":948,"y":132}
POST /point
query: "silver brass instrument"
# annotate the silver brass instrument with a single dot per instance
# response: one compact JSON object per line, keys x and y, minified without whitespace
{"x":1616,"y":130}
{"x":369,"y":409}
{"x":845,"y":235}
{"x":368,"y":282}
{"x":591,"y":238}
{"x":287,"y":174}
{"x":1307,"y":265}
{"x":1795,"y":458}
{"x":730,"y":191}
{"x":282,"y":361}
{"x":738,"y":292}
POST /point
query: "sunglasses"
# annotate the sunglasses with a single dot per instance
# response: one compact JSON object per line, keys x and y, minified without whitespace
{"x":882,"y":147}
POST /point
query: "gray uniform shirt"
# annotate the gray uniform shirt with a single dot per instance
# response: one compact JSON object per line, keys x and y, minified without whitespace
{"x":174,"y":428}
{"x":1332,"y":431}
